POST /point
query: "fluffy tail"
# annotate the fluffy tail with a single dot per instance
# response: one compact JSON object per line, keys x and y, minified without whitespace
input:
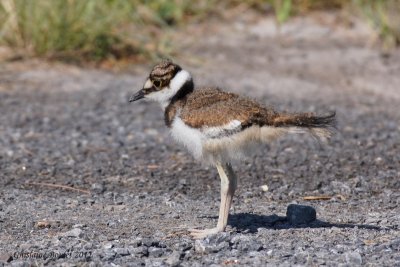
{"x":318,"y":126}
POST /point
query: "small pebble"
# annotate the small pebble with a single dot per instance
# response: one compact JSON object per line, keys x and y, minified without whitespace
{"x":173,"y":259}
{"x":76,"y":232}
{"x":122,"y":251}
{"x":353,"y":258}
{"x":98,"y":188}
{"x":155,"y":252}
{"x":264,"y":188}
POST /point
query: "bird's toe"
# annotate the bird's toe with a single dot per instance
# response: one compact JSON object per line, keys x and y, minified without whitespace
{"x":203,"y":233}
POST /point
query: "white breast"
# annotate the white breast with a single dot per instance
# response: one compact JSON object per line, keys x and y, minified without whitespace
{"x":190,"y":137}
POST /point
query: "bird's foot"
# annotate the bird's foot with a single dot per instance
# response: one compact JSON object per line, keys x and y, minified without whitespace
{"x":200,"y":234}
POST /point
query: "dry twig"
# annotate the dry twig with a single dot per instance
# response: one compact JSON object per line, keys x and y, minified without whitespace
{"x":341,"y":197}
{"x":317,"y":198}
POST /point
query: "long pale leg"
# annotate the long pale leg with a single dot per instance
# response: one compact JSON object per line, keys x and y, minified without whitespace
{"x":228,"y":187}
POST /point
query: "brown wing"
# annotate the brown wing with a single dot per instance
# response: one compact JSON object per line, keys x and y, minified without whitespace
{"x":213,"y":107}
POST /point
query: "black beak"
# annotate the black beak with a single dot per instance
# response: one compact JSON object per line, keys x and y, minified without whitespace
{"x":137,"y":96}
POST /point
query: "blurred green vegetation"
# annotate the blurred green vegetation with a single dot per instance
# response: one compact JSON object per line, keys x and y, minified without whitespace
{"x":90,"y":29}
{"x":95,"y":30}
{"x":384,"y":16}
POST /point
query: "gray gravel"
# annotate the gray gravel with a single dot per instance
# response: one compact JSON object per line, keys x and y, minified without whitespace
{"x":68,"y":126}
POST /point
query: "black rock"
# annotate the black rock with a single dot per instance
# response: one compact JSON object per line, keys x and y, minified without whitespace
{"x":300,"y":214}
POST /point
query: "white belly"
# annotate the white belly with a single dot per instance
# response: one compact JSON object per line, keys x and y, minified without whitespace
{"x":223,"y":149}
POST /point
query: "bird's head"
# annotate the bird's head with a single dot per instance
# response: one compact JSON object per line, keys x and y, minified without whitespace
{"x":166,"y":81}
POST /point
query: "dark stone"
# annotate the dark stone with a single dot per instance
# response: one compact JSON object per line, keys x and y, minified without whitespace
{"x":148,"y":242}
{"x":300,"y":214}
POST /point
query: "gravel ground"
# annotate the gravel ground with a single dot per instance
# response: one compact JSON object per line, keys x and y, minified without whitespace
{"x":136,"y":192}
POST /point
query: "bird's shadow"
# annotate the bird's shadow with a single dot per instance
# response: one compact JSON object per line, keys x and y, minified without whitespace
{"x":248,"y":222}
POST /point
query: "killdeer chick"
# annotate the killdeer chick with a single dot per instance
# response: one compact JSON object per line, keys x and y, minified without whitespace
{"x":218,"y":127}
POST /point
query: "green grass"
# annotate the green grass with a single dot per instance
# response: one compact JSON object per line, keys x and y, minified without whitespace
{"x":90,"y":29}
{"x":63,"y":27}
{"x":283,"y":10}
{"x":384,"y":16}
{"x":94,"y":30}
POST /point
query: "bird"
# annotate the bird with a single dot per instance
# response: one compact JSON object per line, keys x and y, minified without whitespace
{"x":219,"y":128}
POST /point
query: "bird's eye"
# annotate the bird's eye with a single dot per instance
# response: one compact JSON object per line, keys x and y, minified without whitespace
{"x":157,"y":83}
